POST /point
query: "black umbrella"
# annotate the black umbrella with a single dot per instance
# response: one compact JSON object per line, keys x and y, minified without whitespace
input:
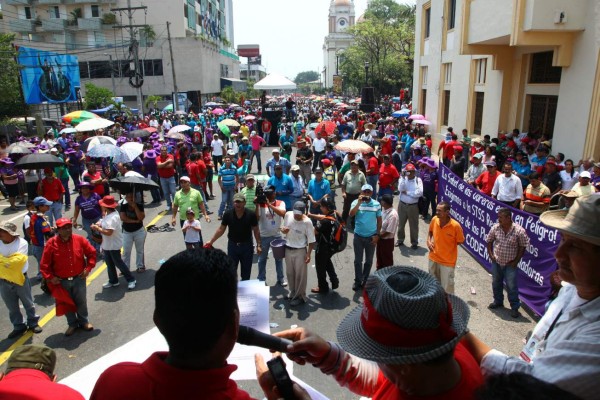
{"x":132,"y":183}
{"x":138,"y":133}
{"x":39,"y":161}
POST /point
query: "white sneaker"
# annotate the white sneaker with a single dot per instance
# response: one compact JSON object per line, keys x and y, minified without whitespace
{"x":108,"y":285}
{"x":131,"y":285}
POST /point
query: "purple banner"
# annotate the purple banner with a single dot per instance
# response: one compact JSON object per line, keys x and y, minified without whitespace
{"x":477,"y":212}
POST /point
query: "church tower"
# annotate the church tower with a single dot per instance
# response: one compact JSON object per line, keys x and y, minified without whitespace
{"x":341,"y":17}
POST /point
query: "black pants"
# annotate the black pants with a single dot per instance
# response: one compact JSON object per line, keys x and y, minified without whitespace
{"x":324,"y":267}
{"x":347,"y":202}
{"x":317,"y":159}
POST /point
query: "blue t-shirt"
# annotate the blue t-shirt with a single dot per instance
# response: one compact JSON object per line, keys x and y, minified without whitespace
{"x":228,"y":176}
{"x":285,"y":164}
{"x":522,"y":170}
{"x":318,"y":189}
{"x":365,"y":220}
{"x":285,"y":186}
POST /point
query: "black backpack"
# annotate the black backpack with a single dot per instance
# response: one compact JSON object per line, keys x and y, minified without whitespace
{"x":338,"y":237}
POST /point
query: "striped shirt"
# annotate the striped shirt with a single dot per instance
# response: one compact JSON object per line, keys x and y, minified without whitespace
{"x":228,"y":176}
{"x":250,"y":194}
{"x":539,"y":194}
{"x":365,"y":220}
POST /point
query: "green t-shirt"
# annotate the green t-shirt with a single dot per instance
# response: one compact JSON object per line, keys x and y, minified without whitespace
{"x":185,"y":200}
{"x":250,"y":194}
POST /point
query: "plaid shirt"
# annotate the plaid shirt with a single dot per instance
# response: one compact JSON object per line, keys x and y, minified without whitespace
{"x":506,"y":245}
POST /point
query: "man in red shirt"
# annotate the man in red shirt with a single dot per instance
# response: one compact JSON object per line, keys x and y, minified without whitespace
{"x":372,"y":174}
{"x":449,"y":149}
{"x":66,"y":263}
{"x":388,"y":176}
{"x":166,"y":172}
{"x":196,"y":365}
{"x":485,"y":181}
{"x":53,"y":190}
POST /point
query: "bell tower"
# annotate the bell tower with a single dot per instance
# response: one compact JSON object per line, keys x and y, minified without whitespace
{"x":341,"y":17}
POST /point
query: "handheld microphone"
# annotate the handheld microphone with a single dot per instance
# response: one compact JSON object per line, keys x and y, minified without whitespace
{"x":252,"y":337}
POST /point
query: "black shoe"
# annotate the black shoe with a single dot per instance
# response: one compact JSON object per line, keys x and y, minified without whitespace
{"x":493,"y":306}
{"x":356,"y":286}
{"x":35,"y":329}
{"x":16,"y":333}
{"x":399,"y":243}
{"x":414,"y":246}
{"x":515,"y":313}
{"x":335,"y":285}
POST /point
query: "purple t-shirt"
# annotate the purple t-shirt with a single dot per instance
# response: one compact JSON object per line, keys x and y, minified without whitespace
{"x":90,"y":207}
{"x":429,"y":179}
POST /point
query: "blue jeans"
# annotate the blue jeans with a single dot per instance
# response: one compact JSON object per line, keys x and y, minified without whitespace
{"x":54,"y":213}
{"x":506,"y":274}
{"x":255,"y":154}
{"x":65,"y":183}
{"x":168,"y":187}
{"x":362,"y":245}
{"x":241,"y":253}
{"x":113,"y":261}
{"x":372,"y":180}
{"x":86,"y":224}
{"x":11,"y":294}
{"x":226,"y":200}
{"x":382,"y":191}
{"x":37,"y":252}
{"x":129,"y":239}
{"x":265,"y":244}
{"x":78,"y":292}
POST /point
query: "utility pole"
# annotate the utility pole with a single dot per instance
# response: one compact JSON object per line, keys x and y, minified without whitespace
{"x":136,"y":79}
{"x":112,"y":74}
{"x":175,"y":92}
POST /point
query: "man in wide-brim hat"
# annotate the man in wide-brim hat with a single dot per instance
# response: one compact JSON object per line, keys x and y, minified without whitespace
{"x":409,"y":328}
{"x":563,"y":348}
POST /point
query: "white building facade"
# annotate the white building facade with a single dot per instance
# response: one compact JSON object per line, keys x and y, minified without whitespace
{"x":341,"y":17}
{"x":491,"y":66}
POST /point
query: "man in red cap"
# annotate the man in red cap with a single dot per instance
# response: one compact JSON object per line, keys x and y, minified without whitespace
{"x":66,"y":263}
{"x":53,"y":190}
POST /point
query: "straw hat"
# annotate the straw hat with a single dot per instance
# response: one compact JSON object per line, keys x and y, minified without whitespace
{"x":582,"y":220}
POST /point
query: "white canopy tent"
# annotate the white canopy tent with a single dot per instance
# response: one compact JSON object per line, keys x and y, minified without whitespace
{"x":275,"y":82}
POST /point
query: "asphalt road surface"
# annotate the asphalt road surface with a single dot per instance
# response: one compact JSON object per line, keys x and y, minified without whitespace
{"x":119,"y":315}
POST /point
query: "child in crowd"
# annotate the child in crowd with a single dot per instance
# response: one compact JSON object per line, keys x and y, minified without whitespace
{"x":192,"y":231}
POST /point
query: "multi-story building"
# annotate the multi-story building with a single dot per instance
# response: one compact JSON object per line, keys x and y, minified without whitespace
{"x":490,"y":66}
{"x":256,"y":72}
{"x":97,"y":32}
{"x":341,"y":17}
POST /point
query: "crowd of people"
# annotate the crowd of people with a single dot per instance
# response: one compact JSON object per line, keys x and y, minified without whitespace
{"x":295,"y":204}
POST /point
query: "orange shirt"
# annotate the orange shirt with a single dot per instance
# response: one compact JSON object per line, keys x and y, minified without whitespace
{"x":446,"y":240}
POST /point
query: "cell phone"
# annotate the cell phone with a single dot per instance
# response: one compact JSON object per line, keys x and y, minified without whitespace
{"x":282,"y":378}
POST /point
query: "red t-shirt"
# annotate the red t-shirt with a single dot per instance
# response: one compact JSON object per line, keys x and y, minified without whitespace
{"x":470,"y":380}
{"x":386,"y":146}
{"x":32,"y":384}
{"x":52,"y":191}
{"x":449,"y":149}
{"x":201,"y":170}
{"x":486,"y":181}
{"x":99,"y":188}
{"x":387,"y":175}
{"x":192,"y":169}
{"x":165,"y":172}
{"x":373,"y":166}
{"x":157,"y":380}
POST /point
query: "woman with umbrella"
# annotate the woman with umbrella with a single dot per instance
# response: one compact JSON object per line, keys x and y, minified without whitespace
{"x":11,"y":181}
{"x":88,"y":204}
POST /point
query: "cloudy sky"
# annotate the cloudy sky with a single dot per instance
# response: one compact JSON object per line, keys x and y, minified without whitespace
{"x":290,"y":33}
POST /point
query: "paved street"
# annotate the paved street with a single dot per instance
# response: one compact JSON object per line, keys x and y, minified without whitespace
{"x":119,"y":316}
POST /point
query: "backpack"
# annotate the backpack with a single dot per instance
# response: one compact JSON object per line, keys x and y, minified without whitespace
{"x":339,"y":235}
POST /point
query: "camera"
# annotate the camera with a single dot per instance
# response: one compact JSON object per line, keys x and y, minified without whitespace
{"x":261,"y":197}
{"x":365,"y":199}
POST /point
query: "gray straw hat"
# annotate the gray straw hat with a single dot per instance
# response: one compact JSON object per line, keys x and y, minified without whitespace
{"x":406,"y":318}
{"x":582,"y":220}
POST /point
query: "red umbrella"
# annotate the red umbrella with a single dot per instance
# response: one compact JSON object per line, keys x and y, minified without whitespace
{"x":328,"y":126}
{"x":151,"y":129}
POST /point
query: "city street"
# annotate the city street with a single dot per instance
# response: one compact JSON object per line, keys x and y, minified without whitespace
{"x":119,"y":316}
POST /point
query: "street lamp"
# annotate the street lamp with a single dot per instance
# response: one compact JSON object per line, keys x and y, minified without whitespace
{"x":112,"y":74}
{"x":366,"y":73}
{"x":338,"y":54}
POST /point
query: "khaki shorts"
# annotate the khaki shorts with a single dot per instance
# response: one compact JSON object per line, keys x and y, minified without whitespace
{"x":444,"y":274}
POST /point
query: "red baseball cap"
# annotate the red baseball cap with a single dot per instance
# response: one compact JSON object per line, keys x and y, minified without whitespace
{"x":409,"y":167}
{"x":63,"y":222}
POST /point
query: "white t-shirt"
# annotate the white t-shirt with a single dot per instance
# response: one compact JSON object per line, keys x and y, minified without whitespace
{"x":191,"y":235}
{"x":567,"y":181}
{"x":114,"y":241}
{"x":19,"y":245}
{"x":301,"y":233}
{"x":268,"y":221}
{"x":217,"y":146}
{"x":319,"y":144}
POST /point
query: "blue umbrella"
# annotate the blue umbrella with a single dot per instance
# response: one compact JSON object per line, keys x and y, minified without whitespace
{"x":400,"y":114}
{"x":109,"y":151}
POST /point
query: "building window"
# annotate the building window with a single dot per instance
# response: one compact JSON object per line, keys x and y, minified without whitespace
{"x":447,"y":73}
{"x":542,"y":114}
{"x":98,"y":69}
{"x":477,"y":123}
{"x":95,"y":11}
{"x":427,"y":23}
{"x":480,"y":71}
{"x":424,"y":76}
{"x":446,"y":107}
{"x":153,"y":67}
{"x":423,"y":101}
{"x":28,"y":14}
{"x":54,"y":12}
{"x":542,"y":70}
{"x":224,"y":70}
{"x":84,"y":73}
{"x":451,"y":14}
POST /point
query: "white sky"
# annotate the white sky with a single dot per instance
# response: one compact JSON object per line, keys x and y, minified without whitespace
{"x":290,"y":33}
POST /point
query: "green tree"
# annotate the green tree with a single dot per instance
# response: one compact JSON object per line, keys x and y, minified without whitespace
{"x":386,"y":41}
{"x":306,"y":76}
{"x":229,"y":95}
{"x":152,"y":100}
{"x":97,"y":97}
{"x":11,"y":101}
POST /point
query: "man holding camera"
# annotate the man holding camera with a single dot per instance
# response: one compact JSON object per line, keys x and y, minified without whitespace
{"x":270,"y":213}
{"x":367,"y":224}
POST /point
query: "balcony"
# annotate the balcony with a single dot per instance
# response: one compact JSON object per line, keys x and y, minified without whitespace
{"x":546,"y":15}
{"x":22,"y":25}
{"x":490,"y":22}
{"x":18,"y":2}
{"x":89,"y":24}
{"x":52,"y":25}
{"x":50,"y":2}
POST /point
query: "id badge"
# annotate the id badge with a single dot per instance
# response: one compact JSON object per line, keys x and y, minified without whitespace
{"x":273,"y":223}
{"x":533,"y":347}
